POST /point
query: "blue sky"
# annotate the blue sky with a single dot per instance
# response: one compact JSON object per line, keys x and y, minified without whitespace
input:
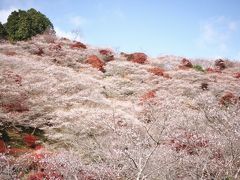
{"x":192,"y":28}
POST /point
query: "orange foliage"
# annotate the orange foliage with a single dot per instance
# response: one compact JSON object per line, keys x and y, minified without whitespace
{"x":159,"y":72}
{"x":78,"y":45}
{"x":140,"y":58}
{"x":156,"y":71}
{"x":95,"y":62}
{"x":148,"y":95}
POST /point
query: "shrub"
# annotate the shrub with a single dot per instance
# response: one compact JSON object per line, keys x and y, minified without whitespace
{"x":220,"y":64}
{"x":204,"y":86}
{"x":39,"y":22}
{"x":18,"y":105}
{"x":198,"y":68}
{"x":19,"y":25}
{"x":107,"y":55}
{"x":156,"y":71}
{"x":3,"y":32}
{"x":228,"y":98}
{"x":185,"y":63}
{"x":96,"y":62}
{"x":189,"y":142}
{"x":139,"y":58}
{"x":22,"y":25}
{"x":78,"y":45}
{"x":148,"y":95}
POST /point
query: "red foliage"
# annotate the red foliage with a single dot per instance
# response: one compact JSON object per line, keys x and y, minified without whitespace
{"x":105,"y":52}
{"x":42,"y":170}
{"x":228,"y":98}
{"x":12,"y":151}
{"x":189,"y":142}
{"x":148,"y":95}
{"x":41,"y":175}
{"x":16,"y":106}
{"x":37,"y":176}
{"x":38,"y":156}
{"x":108,"y":55}
{"x":38,"y":147}
{"x":14,"y":102}
{"x":140,"y":58}
{"x":159,"y":72}
{"x":156,"y":71}
{"x":78,"y":45}
{"x":185,"y":63}
{"x":3,"y":147}
{"x":95,"y":62}
{"x":30,"y":140}
{"x":237,"y":75}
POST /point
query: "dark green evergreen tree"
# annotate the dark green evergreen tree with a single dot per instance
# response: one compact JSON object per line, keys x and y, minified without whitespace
{"x":22,"y":25}
{"x":24,"y":30}
{"x":3,"y":32}
{"x":39,"y":21}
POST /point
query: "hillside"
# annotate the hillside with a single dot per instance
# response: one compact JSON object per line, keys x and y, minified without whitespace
{"x":73,"y":111}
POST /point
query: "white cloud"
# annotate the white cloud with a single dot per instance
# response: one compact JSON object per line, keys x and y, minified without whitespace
{"x":216,"y":33}
{"x":68,"y":34}
{"x":4,"y":13}
{"x":77,"y":21}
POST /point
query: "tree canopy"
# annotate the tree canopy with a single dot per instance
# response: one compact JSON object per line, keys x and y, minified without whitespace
{"x":3,"y":32}
{"x":22,"y":25}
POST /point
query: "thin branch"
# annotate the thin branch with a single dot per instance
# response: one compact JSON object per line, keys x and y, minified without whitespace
{"x":135,"y":164}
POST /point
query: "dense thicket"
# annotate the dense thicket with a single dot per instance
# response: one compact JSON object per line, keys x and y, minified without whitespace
{"x":22,"y":25}
{"x":3,"y":32}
